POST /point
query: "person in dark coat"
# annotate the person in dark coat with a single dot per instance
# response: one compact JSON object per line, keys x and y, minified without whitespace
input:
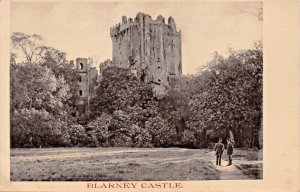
{"x":229,"y":151}
{"x":219,"y":148}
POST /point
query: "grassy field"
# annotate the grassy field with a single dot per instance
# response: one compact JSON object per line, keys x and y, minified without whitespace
{"x":105,"y":164}
{"x":250,"y":163}
{"x":120,"y":164}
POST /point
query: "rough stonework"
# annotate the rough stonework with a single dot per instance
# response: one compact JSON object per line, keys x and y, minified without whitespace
{"x":103,"y":66}
{"x":152,"y":48}
{"x":88,"y":77}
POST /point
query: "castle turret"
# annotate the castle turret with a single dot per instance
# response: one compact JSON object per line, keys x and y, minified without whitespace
{"x":171,"y":23}
{"x":86,"y":84}
{"x":82,"y":65}
{"x":82,"y":68}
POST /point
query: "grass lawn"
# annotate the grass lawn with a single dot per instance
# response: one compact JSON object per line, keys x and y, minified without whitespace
{"x":111,"y":164}
{"x":250,"y":163}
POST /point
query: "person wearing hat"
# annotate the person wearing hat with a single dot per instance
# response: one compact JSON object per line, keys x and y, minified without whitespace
{"x":229,"y":151}
{"x":219,"y":148}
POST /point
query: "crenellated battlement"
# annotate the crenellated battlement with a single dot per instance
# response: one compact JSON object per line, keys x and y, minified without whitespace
{"x":141,"y":19}
{"x":121,"y":27}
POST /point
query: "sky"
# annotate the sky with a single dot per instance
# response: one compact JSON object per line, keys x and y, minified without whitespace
{"x":81,"y":29}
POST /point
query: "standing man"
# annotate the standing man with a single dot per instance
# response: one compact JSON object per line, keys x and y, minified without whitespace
{"x":229,"y":151}
{"x":219,"y":148}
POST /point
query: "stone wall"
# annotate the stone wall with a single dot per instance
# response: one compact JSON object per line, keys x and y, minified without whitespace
{"x":105,"y":64}
{"x":151,"y":47}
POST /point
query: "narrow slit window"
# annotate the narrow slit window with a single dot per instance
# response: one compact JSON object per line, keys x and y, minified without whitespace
{"x":80,"y":92}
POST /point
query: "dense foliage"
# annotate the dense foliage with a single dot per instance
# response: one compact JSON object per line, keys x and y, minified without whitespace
{"x":128,"y":111}
{"x":43,"y":111}
{"x":226,"y":95}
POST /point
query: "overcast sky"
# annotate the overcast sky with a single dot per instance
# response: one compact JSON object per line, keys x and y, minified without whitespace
{"x":82,"y":29}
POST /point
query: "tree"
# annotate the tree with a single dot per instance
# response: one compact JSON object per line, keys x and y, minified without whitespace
{"x":229,"y":97}
{"x":99,"y":127}
{"x":162,"y":134}
{"x":79,"y":137}
{"x":132,"y":107}
{"x":255,"y":9}
{"x":119,"y":90}
{"x":43,"y":95}
{"x":32,"y":85}
{"x":50,"y":55}
{"x":28,"y":44}
{"x":37,"y":128}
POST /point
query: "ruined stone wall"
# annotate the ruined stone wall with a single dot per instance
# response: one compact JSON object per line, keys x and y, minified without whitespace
{"x":105,"y":64}
{"x":92,"y":82}
{"x":87,"y":82}
{"x":151,"y":47}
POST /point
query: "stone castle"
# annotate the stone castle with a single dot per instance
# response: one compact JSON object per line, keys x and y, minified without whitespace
{"x":87,"y":82}
{"x":150,"y":48}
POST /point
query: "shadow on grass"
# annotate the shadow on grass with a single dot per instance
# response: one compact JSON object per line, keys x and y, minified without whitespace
{"x":254,"y":171}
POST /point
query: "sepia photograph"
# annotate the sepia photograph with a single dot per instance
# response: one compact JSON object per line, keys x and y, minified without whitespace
{"x":136,"y":91}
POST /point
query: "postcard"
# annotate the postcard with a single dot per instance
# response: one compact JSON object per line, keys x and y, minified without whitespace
{"x":150,"y":96}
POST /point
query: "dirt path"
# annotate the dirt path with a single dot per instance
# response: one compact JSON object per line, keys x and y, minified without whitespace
{"x":226,"y":172}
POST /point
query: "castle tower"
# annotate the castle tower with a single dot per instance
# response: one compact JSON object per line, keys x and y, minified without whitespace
{"x":83,"y":69}
{"x":151,"y":47}
{"x":86,"y":85}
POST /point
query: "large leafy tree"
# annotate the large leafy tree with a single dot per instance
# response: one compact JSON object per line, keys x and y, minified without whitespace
{"x":43,"y":95}
{"x":119,"y":90}
{"x":131,"y":107}
{"x":228,"y":96}
{"x":37,"y":128}
{"x":32,"y":85}
{"x":27,"y":44}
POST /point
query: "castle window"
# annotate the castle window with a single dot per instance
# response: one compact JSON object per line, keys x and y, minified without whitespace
{"x":81,"y":65}
{"x":143,"y":77}
{"x":172,"y":46}
{"x":159,"y":80}
{"x":158,"y":67}
{"x":80,"y":78}
{"x":80,"y":92}
{"x":172,"y":69}
{"x":153,"y":51}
